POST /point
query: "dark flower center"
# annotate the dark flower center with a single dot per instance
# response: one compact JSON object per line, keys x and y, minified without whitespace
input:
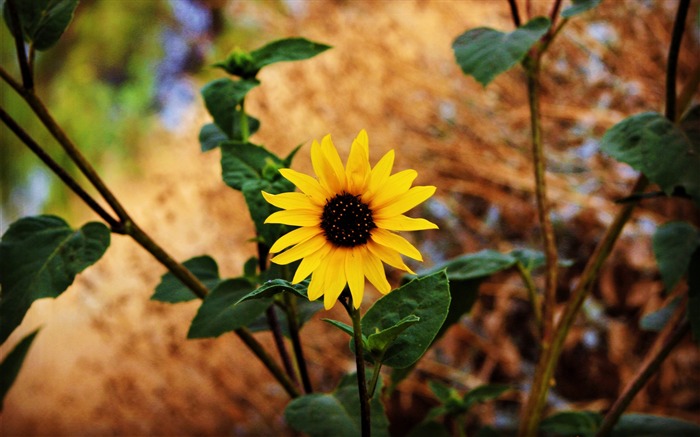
{"x":346,"y":221}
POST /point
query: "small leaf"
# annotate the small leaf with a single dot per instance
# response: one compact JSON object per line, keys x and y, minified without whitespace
{"x":43,"y":21}
{"x":428,"y":298}
{"x":335,"y":414}
{"x":475,"y":265}
{"x":211,"y":136}
{"x":343,"y":327}
{"x":271,"y":288}
{"x":172,"y":290}
{"x":260,"y":209}
{"x":220,"y":312}
{"x":485,"y":53}
{"x":241,"y":162}
{"x":664,"y":152}
{"x":674,"y":243}
{"x":579,"y":6}
{"x":444,"y":393}
{"x":12,"y":364}
{"x":290,"y":49}
{"x":656,"y":320}
{"x":378,"y":342}
{"x":222,"y":98}
{"x":40,"y":257}
{"x":530,"y":259}
{"x":648,"y":425}
{"x":484,"y":393}
{"x":694,"y":294}
{"x":572,"y":423}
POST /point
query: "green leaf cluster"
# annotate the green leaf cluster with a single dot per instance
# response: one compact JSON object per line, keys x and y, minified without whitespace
{"x":43,"y":21}
{"x":587,"y":423}
{"x":453,"y":404}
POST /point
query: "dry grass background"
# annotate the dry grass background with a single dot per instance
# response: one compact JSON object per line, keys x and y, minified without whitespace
{"x":111,"y":362}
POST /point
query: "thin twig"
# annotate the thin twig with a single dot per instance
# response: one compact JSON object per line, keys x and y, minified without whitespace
{"x":60,"y":172}
{"x":356,"y":318}
{"x":293,"y":326}
{"x":531,"y":293}
{"x":11,"y":81}
{"x":514,"y":12}
{"x":554,"y":13}
{"x":673,"y":52}
{"x":27,"y":79}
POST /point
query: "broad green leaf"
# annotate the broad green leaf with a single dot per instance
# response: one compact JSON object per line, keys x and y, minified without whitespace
{"x":210,"y":136}
{"x":572,"y":424}
{"x":172,"y":290}
{"x":335,"y":414}
{"x":485,"y":53}
{"x":664,"y":152}
{"x":379,"y":341}
{"x":276,"y":286}
{"x":429,"y":428}
{"x":260,"y":209}
{"x":39,"y":257}
{"x":648,"y":425}
{"x":11,"y":365}
{"x":220,"y":312}
{"x":241,"y":162}
{"x":475,"y":265}
{"x":530,"y":259}
{"x":43,"y":21}
{"x":484,"y":393}
{"x":344,"y":327}
{"x":579,"y":6}
{"x":694,"y":294}
{"x":222,"y":98}
{"x":290,"y":49}
{"x":428,"y":298}
{"x":656,"y":320}
{"x":673,"y":244}
{"x":250,"y":269}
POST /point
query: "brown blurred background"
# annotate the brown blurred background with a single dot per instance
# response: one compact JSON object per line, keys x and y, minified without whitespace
{"x":124,"y":81}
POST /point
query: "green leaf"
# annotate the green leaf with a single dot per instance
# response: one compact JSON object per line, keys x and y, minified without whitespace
{"x":241,"y":162}
{"x":290,"y":49}
{"x":11,"y":365}
{"x":222,"y":98}
{"x":260,"y":209}
{"x":648,"y":425}
{"x":485,"y":53}
{"x":428,"y":298}
{"x":673,"y":244}
{"x":572,"y":423}
{"x":344,"y":327}
{"x":220,"y":312}
{"x":305,"y":310}
{"x":172,"y":290}
{"x":274,"y":287}
{"x":484,"y":393}
{"x":655,"y":321}
{"x":335,"y":414}
{"x":39,"y":257}
{"x":211,"y":136}
{"x":43,"y":21}
{"x":475,"y":265}
{"x":694,"y":295}
{"x":579,"y":6}
{"x":530,"y":259}
{"x":664,"y":152}
{"x":378,"y":342}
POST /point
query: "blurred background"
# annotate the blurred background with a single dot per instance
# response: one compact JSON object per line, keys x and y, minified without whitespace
{"x":124,"y":82}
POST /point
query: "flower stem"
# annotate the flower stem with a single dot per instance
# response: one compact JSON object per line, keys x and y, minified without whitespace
{"x":27,"y":79}
{"x":356,"y":318}
{"x":532,"y":294}
{"x":375,"y":378}
{"x":293,"y":325}
{"x":245,"y":130}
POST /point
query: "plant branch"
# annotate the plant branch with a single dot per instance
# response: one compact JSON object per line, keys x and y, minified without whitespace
{"x":356,"y":318}
{"x":659,"y":352}
{"x":514,"y":12}
{"x":673,"y":52}
{"x":67,"y":179}
{"x":13,"y":83}
{"x":27,"y":79}
{"x":531,"y":293}
{"x":293,"y":325}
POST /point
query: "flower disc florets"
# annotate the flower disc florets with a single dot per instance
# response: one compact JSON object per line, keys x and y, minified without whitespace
{"x":347,"y":221}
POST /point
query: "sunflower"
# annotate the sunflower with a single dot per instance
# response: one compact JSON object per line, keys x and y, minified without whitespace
{"x":346,"y":218}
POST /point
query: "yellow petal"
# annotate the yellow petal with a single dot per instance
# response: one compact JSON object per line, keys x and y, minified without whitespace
{"x":310,"y":263}
{"x":403,"y":203}
{"x":295,"y":217}
{"x":403,"y":223}
{"x":396,"y":186}
{"x":306,"y":184}
{"x":388,"y":255}
{"x":374,"y":270}
{"x":358,"y":169}
{"x":355,"y":275}
{"x":326,"y":175}
{"x":301,"y":250}
{"x":289,"y":200}
{"x":335,"y":279}
{"x":379,"y":175}
{"x":294,"y":237}
{"x":316,"y":284}
{"x":396,"y":242}
{"x":333,"y":159}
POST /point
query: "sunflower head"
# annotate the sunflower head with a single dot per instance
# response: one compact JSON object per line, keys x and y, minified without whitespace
{"x":347,"y":217}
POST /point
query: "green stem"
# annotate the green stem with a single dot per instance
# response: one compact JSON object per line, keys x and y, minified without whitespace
{"x":356,"y":318}
{"x":375,"y":378}
{"x":532,"y":293}
{"x":27,"y":79}
{"x":293,"y":325}
{"x":245,"y":130}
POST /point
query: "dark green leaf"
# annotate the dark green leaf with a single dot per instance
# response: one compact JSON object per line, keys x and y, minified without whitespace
{"x":11,"y":365}
{"x":656,"y":320}
{"x":220,"y":312}
{"x":290,"y":49}
{"x":647,"y":425}
{"x":43,"y":21}
{"x":172,"y":290}
{"x":222,"y":98}
{"x":572,"y":423}
{"x":273,"y":287}
{"x":484,"y":393}
{"x":305,"y":310}
{"x":343,"y":327}
{"x":39,"y":257}
{"x":210,"y":136}
{"x":650,"y":143}
{"x":260,"y":209}
{"x":250,"y":269}
{"x":426,"y":297}
{"x":241,"y":162}
{"x":674,"y":243}
{"x":444,"y":393}
{"x":335,"y":414}
{"x":378,"y":342}
{"x":530,"y":259}
{"x":239,"y":63}
{"x":429,"y":428}
{"x":694,"y":294}
{"x":475,"y":265}
{"x":485,"y":53}
{"x":579,"y":6}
